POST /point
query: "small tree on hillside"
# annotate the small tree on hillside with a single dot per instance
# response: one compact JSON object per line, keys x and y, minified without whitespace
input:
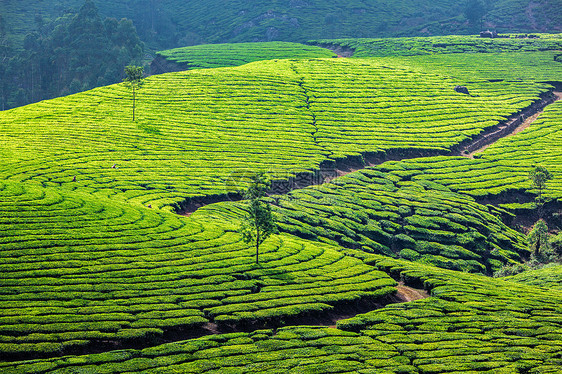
{"x":258,"y":224}
{"x":539,"y":176}
{"x":134,"y":80}
{"x":541,"y":245}
{"x":538,"y":237}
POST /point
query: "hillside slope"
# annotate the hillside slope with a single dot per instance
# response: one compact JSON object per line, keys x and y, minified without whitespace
{"x":471,"y":324}
{"x":173,"y":23}
{"x":198,"y":131}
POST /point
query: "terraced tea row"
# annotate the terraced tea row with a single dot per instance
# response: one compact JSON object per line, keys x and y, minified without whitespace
{"x":502,"y":167}
{"x":549,"y":276}
{"x":382,"y":213}
{"x":193,"y":130}
{"x":524,"y":66}
{"x":197,"y":129}
{"x":413,"y":46}
{"x":236,"y":54}
{"x":358,"y":107}
{"x":471,"y":324}
{"x":80,"y":272}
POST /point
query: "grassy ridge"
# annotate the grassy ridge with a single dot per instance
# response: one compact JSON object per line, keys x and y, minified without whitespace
{"x":385,"y":214}
{"x":77,"y":271}
{"x":362,"y":106}
{"x":549,"y":276}
{"x":471,"y":323}
{"x":414,"y":46}
{"x":223,"y":55}
{"x":213,"y":21}
{"x":502,"y":167}
{"x":195,"y":129}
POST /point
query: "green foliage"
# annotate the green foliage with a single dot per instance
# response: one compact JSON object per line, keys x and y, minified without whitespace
{"x":503,"y":167}
{"x":84,"y":261}
{"x":539,"y":176}
{"x":511,"y":269}
{"x":555,"y":242}
{"x":258,"y":224}
{"x":474,"y":11}
{"x":72,"y":53}
{"x":371,"y":211}
{"x":549,"y":276}
{"x":173,"y":22}
{"x":450,"y":44}
{"x":134,"y":80}
{"x":221,"y":55}
{"x":538,"y":237}
{"x":79,"y":270}
{"x":209,"y":126}
{"x":470,"y":324}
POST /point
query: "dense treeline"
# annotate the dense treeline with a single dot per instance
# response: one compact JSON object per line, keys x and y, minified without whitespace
{"x":75,"y":52}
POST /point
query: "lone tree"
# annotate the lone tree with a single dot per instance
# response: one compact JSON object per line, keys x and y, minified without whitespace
{"x":538,"y":237}
{"x":539,"y":176}
{"x":134,"y":80}
{"x":258,"y":223}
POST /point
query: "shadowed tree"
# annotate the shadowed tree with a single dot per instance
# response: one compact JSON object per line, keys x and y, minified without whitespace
{"x":258,"y":224}
{"x":538,"y":237}
{"x":539,"y":176}
{"x":134,"y":80}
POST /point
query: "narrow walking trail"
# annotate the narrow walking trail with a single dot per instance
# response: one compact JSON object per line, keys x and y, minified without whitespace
{"x":484,"y":144}
{"x":340,"y":312}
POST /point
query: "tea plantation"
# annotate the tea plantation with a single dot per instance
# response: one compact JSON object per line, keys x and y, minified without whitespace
{"x":414,"y":46}
{"x":382,"y":213}
{"x":196,"y":129}
{"x":236,"y":54}
{"x":470,"y":324}
{"x":502,"y":167}
{"x":80,"y":271}
{"x":549,"y":276}
{"x":98,"y":272}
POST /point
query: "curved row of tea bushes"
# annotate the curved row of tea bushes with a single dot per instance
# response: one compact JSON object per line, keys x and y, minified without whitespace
{"x":470,"y":324}
{"x":234,"y":54}
{"x":362,"y":106}
{"x":77,"y":271}
{"x":196,"y":132}
{"x":500,"y":67}
{"x":502,"y":167}
{"x":382,"y":213}
{"x":413,"y":46}
{"x":549,"y":276}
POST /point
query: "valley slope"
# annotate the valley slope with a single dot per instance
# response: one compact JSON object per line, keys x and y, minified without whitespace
{"x":99,"y":272}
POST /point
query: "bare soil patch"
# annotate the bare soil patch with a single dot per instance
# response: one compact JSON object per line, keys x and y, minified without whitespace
{"x":514,"y":124}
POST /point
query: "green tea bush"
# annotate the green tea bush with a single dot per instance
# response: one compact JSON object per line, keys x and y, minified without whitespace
{"x":428,"y":224}
{"x":222,"y":55}
{"x":78,"y":270}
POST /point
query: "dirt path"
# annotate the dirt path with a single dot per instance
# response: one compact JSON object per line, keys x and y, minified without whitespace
{"x":410,"y":294}
{"x":525,"y":124}
{"x":404,"y":294}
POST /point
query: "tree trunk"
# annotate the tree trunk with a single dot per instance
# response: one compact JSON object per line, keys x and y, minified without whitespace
{"x":134,"y":98}
{"x":257,"y":245}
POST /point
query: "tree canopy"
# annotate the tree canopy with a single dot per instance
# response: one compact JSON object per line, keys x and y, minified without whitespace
{"x":73,"y":53}
{"x":258,"y":224}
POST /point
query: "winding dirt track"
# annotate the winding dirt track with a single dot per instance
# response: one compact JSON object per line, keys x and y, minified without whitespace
{"x":528,"y":122}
